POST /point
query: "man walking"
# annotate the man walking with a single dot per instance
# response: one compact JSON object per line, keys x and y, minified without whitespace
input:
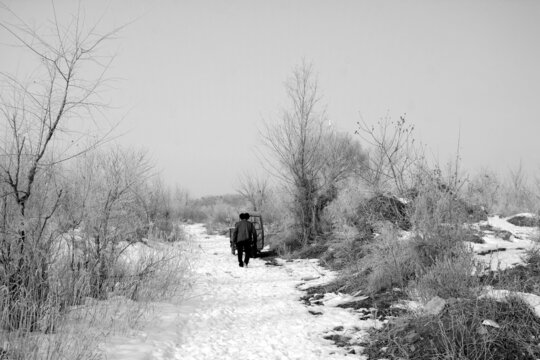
{"x":244,"y":234}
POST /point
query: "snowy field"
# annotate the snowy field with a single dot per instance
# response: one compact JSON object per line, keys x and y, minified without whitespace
{"x":244,"y":313}
{"x":255,"y":313}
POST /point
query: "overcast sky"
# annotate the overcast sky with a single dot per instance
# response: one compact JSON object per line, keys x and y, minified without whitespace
{"x":196,"y":78}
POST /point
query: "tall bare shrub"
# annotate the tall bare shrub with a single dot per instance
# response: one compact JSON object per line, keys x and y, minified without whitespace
{"x":34,"y":116}
{"x":485,"y":189}
{"x":109,"y":213}
{"x":255,"y":189}
{"x":393,"y":154}
{"x":310,"y":157}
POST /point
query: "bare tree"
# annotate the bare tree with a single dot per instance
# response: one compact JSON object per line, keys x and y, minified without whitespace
{"x":255,"y":190}
{"x":519,"y":192}
{"x":181,"y":197}
{"x":157,"y":199}
{"x":295,"y":141}
{"x":484,"y":189}
{"x":392,"y":156}
{"x":32,"y":116}
{"x":115,"y":217}
{"x":309,"y":156}
{"x":108,"y":206}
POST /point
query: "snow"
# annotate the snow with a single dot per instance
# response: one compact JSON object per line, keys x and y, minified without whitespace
{"x":255,"y":312}
{"x":409,"y":305}
{"x":505,"y":253}
{"x":517,"y":231}
{"x":340,"y":299}
{"x":244,"y":313}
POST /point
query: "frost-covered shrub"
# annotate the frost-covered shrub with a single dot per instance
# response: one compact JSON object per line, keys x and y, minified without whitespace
{"x":343,"y":210}
{"x":223,"y":213}
{"x":390,"y":261}
{"x":285,"y":241}
{"x":345,"y":249}
{"x":192,"y":213}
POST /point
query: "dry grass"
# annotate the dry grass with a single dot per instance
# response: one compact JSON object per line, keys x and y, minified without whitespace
{"x":154,"y":272}
{"x":345,"y":249}
{"x":458,"y":333}
{"x":166,"y":230}
{"x":72,"y":325}
{"x":432,"y":262}
{"x":436,"y":263}
{"x":390,"y":262}
{"x":447,"y":278}
{"x":430,"y":265}
{"x":70,"y":333}
{"x":285,"y":242}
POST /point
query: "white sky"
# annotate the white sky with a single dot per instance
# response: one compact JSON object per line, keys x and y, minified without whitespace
{"x":198,"y":77}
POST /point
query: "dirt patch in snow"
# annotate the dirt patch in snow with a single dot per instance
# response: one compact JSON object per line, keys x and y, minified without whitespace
{"x":272,"y":261}
{"x":527,"y":220}
{"x":378,"y":306}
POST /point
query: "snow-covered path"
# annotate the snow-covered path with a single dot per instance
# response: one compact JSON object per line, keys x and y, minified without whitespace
{"x":238,"y":313}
